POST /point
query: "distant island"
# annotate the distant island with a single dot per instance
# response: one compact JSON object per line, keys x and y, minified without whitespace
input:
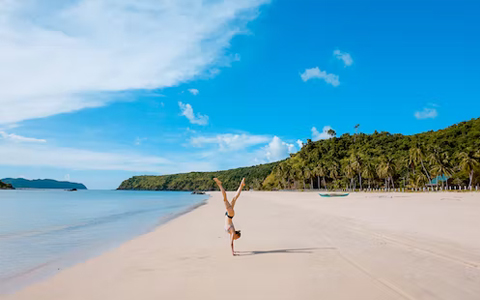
{"x":6,"y":186}
{"x":22,"y":183}
{"x":447,"y":157}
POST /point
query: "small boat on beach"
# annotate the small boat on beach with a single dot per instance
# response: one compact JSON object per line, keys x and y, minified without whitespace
{"x":198,"y":193}
{"x":333,"y":195}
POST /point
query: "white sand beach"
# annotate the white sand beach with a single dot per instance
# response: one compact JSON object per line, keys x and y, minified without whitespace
{"x":294,"y":245}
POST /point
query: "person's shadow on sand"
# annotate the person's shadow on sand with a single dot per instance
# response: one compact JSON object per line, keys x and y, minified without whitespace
{"x":295,"y":250}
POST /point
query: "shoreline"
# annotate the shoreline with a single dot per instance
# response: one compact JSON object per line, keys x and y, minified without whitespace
{"x":44,"y":271}
{"x":475,"y":189}
{"x":293,"y":245}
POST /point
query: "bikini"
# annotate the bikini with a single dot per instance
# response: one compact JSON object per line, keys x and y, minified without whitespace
{"x":227,"y":229}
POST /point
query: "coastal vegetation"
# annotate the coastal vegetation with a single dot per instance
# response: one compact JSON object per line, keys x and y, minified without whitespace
{"x":5,"y":186}
{"x":384,"y":160}
{"x":358,"y":161}
{"x":201,"y":181}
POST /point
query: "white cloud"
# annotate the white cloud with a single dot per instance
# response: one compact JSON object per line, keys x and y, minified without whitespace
{"x":426,"y":113}
{"x":18,"y":138}
{"x":229,"y":151}
{"x":187,"y":111}
{"x":44,"y":155}
{"x":317,"y":73}
{"x":239,"y":150}
{"x":278,"y":149}
{"x":316,"y":135}
{"x":300,"y":144}
{"x":59,"y":57}
{"x":77,"y":159}
{"x":344,"y":56}
{"x":194,"y":91}
{"x":228,"y":141}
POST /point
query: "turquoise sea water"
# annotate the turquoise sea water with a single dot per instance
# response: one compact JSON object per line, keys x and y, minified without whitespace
{"x":44,"y":231}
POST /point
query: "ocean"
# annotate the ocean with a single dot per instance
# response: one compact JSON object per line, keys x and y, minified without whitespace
{"x":45,"y":231}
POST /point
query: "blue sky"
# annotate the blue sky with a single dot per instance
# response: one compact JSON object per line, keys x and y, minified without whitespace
{"x":98,"y":91}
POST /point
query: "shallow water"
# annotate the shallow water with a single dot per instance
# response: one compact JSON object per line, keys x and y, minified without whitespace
{"x":44,"y":231}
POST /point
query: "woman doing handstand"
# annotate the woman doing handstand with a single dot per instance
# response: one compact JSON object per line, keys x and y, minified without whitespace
{"x":230,"y":213}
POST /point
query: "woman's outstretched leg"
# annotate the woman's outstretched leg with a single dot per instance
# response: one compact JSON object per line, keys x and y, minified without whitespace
{"x":242,"y":184}
{"x":225,"y":200}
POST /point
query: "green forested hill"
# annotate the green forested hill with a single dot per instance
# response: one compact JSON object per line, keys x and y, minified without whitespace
{"x":380,"y":159}
{"x":200,"y":180}
{"x":384,"y":160}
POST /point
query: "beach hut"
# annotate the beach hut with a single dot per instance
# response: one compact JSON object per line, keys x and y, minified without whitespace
{"x":439,"y":180}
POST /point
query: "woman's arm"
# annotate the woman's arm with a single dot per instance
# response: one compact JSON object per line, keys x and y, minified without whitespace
{"x":231,"y":243}
{"x":242,"y":184}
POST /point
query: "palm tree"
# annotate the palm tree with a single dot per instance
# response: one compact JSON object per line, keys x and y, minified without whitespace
{"x":411,"y":162}
{"x":420,"y":180}
{"x":280,"y":173}
{"x":382,"y":174}
{"x":440,"y":164}
{"x":457,"y":181}
{"x":297,"y":175}
{"x":416,"y":156}
{"x":386,"y":169}
{"x":308,"y":172}
{"x":349,"y":173}
{"x":333,"y":168}
{"x":298,"y":166}
{"x":301,"y":174}
{"x":290,"y":173}
{"x":331,"y":132}
{"x":357,"y":164}
{"x":291,"y":177}
{"x":468,"y":163}
{"x":356,"y":132}
{"x":321,"y":170}
{"x":403,"y":168}
{"x":369,"y":172}
{"x":315,"y":173}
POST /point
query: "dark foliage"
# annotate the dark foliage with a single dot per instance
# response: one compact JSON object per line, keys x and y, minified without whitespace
{"x":384,"y":160}
{"x":5,"y":186}
{"x":202,"y":181}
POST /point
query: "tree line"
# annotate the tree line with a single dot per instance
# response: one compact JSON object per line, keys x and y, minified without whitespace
{"x":384,"y":160}
{"x":201,"y":181}
{"x":358,"y":161}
